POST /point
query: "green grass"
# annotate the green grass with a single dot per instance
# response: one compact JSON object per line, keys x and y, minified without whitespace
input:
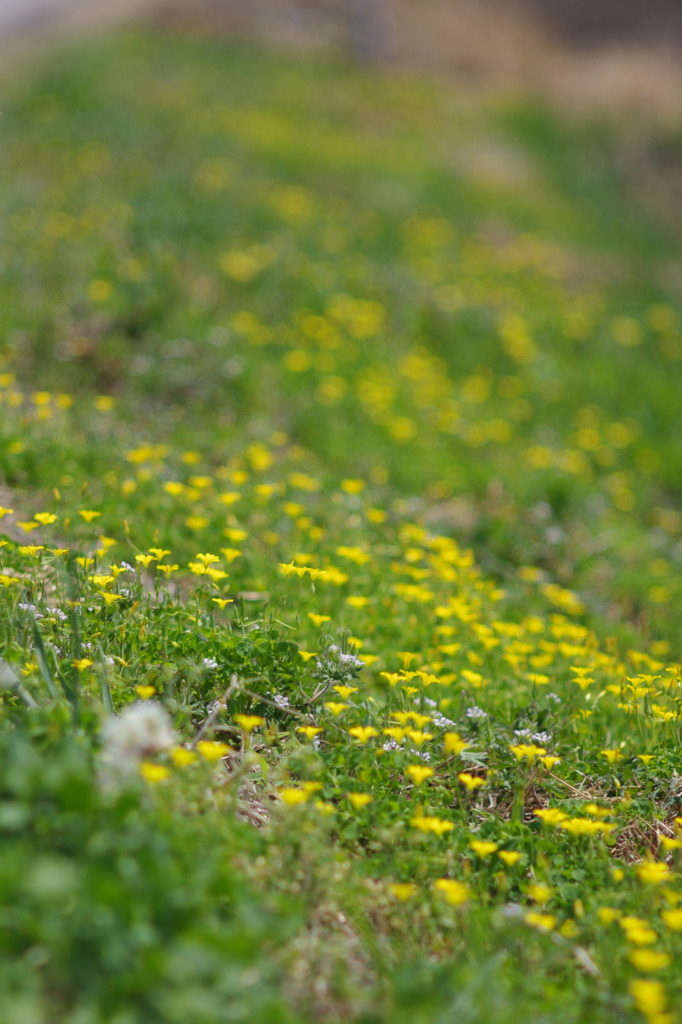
{"x":347,"y":402}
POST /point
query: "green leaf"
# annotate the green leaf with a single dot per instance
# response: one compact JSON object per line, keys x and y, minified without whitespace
{"x":43,"y":663}
{"x":9,"y":680}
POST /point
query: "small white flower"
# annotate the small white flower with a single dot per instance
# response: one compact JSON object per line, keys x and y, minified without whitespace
{"x":31,"y":609}
{"x":442,"y":722}
{"x":141,"y":729}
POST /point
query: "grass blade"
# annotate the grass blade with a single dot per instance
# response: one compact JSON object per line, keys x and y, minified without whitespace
{"x":43,"y":663}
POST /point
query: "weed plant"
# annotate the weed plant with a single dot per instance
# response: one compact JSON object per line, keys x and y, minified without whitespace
{"x":340,"y":535}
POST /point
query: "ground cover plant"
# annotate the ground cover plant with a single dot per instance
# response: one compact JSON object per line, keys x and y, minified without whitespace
{"x":339,"y":546}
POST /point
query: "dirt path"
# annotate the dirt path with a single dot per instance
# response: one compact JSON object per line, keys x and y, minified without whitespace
{"x":592,"y":55}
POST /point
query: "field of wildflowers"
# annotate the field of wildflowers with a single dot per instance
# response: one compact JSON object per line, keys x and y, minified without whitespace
{"x":339,"y":552}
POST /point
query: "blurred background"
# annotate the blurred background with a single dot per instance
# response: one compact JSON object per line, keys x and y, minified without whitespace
{"x":360,"y":226}
{"x":599,"y":54}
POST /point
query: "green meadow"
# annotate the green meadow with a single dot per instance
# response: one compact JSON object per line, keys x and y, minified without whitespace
{"x":340,"y":536}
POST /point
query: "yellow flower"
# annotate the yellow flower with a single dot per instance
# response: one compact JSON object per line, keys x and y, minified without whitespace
{"x":453,"y":743}
{"x":360,"y":800}
{"x":353,"y":554}
{"x":145,"y":692}
{"x":229,"y":497}
{"x":230,"y":554}
{"x":419,"y":773}
{"x":419,"y":720}
{"x":551,"y":815}
{"x":318,"y":620}
{"x":196,"y":523}
{"x":539,"y":892}
{"x":431,"y":824}
{"x":549,"y":761}
{"x":569,"y":929}
{"x":607,"y":915}
{"x":470,"y":781}
{"x":585,"y":826}
{"x":300,"y":570}
{"x":638,"y":934}
{"x":352,"y":486}
{"x":527,"y":750}
{"x":110,"y":598}
{"x":646,"y":759}
{"x":673,"y":919}
{"x":248,"y":722}
{"x":154,"y":772}
{"x":222,"y":602}
{"x":101,"y":580}
{"x":158,"y":553}
{"x":27,"y":527}
{"x":216,"y":574}
{"x":45,"y":518}
{"x":362,"y":733}
{"x":456,"y":893}
{"x":612,"y":756}
{"x":649,"y":960}
{"x":344,"y":692}
{"x":670,"y":844}
{"x":182,"y":756}
{"x":653,"y":872}
{"x":482,"y":848}
{"x":309,"y":731}
{"x":88,"y":514}
{"x":402,"y":890}
{"x":336,"y":707}
{"x":543,"y":922}
{"x":292,"y":797}
{"x":144,"y":560}
{"x":82,"y":663}
{"x":509,"y":857}
{"x":213,"y":750}
{"x":649,"y":997}
{"x":418,"y":737}
{"x":596,"y":811}
{"x":393,"y":677}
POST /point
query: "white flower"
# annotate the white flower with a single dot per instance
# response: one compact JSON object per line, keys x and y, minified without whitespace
{"x":442,"y":722}
{"x":143,"y":728}
{"x":31,"y":608}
